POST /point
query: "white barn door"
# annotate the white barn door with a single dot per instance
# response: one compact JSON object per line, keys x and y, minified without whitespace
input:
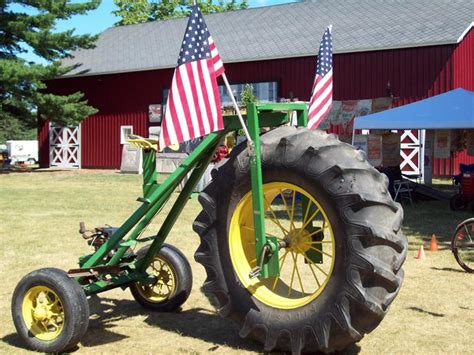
{"x":412,"y":154}
{"x":65,"y":147}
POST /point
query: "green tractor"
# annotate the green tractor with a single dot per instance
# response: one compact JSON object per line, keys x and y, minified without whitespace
{"x":300,"y":241}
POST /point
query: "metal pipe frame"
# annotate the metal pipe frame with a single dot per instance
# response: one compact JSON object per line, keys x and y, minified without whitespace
{"x":156,"y":195}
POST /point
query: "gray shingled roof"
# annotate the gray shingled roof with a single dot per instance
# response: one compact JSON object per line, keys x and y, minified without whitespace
{"x":281,"y":31}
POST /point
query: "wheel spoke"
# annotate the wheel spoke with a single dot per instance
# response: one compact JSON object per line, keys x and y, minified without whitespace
{"x":53,"y":323}
{"x":295,"y":260}
{"x":320,"y":251}
{"x":318,"y":230}
{"x":57,"y":314}
{"x":307,"y":211}
{"x":310,"y":263}
{"x":319,"y":242}
{"x":282,"y":261}
{"x":467,"y":231}
{"x":287,"y":210}
{"x":321,"y":269}
{"x":274,"y":219}
{"x":292,"y":219}
{"x":310,"y":219}
{"x":292,"y":278}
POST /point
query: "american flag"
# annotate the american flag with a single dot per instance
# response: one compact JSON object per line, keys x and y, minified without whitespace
{"x":193,"y":105}
{"x":321,"y":97}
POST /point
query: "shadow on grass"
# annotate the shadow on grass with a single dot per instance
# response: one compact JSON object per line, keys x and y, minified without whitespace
{"x":421,"y":310}
{"x":426,"y":218}
{"x":14,"y":340}
{"x":194,"y":323}
{"x":447,"y":269}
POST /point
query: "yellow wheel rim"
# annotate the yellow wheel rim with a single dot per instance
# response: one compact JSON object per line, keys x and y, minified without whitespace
{"x":43,"y":313}
{"x":165,"y":285}
{"x":306,"y":260}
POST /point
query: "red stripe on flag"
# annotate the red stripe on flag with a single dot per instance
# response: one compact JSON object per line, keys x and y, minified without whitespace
{"x":174,"y":119}
{"x":217,"y":99}
{"x":315,"y":111}
{"x":316,"y":95}
{"x":316,"y":124}
{"x":205,"y":94}
{"x":216,"y":59}
{"x":184,"y":100}
{"x":197,"y":107}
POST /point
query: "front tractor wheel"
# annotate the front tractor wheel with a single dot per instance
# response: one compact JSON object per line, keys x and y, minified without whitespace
{"x":50,"y":311}
{"x":174,"y":280}
{"x":341,"y":249}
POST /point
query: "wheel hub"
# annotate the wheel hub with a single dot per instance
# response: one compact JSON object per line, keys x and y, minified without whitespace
{"x":299,"y":240}
{"x":40,"y":313}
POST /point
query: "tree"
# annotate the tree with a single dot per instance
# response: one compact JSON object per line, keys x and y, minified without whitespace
{"x":139,"y":11}
{"x":30,"y":25}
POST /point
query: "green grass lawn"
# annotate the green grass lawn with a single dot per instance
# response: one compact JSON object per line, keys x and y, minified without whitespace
{"x":40,"y":214}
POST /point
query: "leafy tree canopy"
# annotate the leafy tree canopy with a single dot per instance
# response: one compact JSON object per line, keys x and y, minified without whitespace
{"x":139,"y":11}
{"x":30,"y":25}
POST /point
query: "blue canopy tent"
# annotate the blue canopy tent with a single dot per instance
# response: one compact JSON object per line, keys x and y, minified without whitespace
{"x":451,"y":110}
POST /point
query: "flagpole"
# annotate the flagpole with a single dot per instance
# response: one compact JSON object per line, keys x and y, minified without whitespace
{"x":237,"y":109}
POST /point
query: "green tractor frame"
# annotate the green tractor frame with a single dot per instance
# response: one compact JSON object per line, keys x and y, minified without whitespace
{"x":300,"y":241}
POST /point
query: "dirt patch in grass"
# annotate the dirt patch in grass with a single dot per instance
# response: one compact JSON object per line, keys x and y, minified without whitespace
{"x":434,"y":311}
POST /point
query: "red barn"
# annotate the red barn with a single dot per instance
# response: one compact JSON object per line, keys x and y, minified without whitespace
{"x":422,"y":48}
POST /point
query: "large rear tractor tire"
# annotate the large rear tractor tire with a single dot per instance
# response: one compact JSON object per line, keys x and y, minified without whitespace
{"x":342,"y":249}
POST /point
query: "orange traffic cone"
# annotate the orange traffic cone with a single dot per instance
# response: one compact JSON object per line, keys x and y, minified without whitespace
{"x":421,"y":253}
{"x":433,"y":243}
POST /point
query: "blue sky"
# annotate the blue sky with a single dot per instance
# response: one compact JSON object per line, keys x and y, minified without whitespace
{"x":102,"y":18}
{"x":98,"y":20}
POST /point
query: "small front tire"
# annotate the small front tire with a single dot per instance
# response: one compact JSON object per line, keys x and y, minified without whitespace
{"x":50,"y":310}
{"x":173,"y":284}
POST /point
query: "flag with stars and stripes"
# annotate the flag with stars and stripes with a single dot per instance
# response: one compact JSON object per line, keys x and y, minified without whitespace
{"x":321,"y":96}
{"x":193,"y":108}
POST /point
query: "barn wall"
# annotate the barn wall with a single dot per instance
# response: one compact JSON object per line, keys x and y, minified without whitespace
{"x":123,"y":99}
{"x":463,"y":77}
{"x":463,"y":58}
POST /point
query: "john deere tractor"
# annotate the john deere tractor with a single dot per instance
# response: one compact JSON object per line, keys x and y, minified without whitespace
{"x":300,"y":241}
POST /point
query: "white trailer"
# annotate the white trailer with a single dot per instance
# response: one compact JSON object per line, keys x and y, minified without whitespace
{"x":23,"y":151}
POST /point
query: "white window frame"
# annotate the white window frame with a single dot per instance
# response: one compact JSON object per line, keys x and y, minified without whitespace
{"x":123,"y":138}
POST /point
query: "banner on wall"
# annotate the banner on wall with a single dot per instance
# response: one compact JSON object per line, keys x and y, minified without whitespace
{"x":325,"y":124}
{"x":334,"y":116}
{"x":442,"y":144}
{"x":348,"y":113}
{"x":360,"y":142}
{"x":381,"y":104}
{"x":374,"y":149}
{"x":364,"y":107}
{"x":391,"y":149}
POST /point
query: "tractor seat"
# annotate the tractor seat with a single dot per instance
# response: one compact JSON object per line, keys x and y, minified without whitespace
{"x":143,"y":143}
